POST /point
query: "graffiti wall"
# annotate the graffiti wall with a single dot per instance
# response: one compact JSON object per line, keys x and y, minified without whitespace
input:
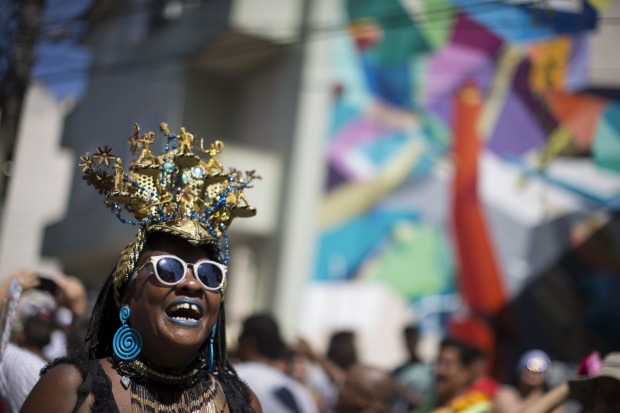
{"x":470,"y":157}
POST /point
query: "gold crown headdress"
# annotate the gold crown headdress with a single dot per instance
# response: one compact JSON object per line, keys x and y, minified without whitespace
{"x":178,"y":192}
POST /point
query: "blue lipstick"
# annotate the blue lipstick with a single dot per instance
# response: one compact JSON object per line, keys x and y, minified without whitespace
{"x":189,"y":312}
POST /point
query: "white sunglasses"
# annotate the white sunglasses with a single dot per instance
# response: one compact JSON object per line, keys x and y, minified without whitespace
{"x":171,"y":270}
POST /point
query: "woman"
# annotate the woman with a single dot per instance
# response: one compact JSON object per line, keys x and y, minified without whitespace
{"x":597,"y":391}
{"x":532,"y":371}
{"x":156,"y":341}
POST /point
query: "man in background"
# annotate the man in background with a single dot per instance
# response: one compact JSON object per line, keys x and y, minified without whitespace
{"x":414,"y":375}
{"x":455,"y":372}
{"x":263,"y":354}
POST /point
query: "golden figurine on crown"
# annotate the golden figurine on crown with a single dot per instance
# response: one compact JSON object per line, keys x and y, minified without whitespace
{"x":173,"y":188}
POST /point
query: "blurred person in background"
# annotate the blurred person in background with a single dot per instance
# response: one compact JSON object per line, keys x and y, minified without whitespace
{"x":32,"y":329}
{"x":531,"y":384}
{"x":414,"y":374}
{"x":454,"y":373}
{"x":311,"y":375}
{"x":411,"y":336}
{"x":35,"y":322}
{"x":77,"y":335}
{"x":72,"y":303}
{"x":47,"y":312}
{"x":482,"y":381}
{"x":341,"y":349}
{"x":597,"y":393}
{"x":341,"y":354}
{"x":262,"y":354}
{"x":19,"y":368}
{"x":366,"y":390}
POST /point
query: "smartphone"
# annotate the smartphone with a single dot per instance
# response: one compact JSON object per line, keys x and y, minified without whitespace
{"x":47,"y":284}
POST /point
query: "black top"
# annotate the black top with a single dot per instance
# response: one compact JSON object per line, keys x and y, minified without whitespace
{"x":94,"y":381}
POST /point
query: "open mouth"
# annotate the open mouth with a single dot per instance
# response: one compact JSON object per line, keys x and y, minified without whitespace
{"x":185,"y":312}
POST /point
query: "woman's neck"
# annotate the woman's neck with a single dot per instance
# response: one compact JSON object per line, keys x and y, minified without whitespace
{"x":171,"y":360}
{"x":144,"y":372}
{"x":529,"y":391}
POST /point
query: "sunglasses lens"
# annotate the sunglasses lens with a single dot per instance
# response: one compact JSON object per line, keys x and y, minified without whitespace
{"x":170,"y":270}
{"x":210,"y":275}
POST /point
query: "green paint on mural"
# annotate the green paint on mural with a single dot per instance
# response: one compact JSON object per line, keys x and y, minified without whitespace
{"x":436,"y":22}
{"x":606,"y":147}
{"x":417,"y":263}
{"x":400,"y":38}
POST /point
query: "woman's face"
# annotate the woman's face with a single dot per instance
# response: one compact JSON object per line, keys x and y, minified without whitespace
{"x":174,"y":320}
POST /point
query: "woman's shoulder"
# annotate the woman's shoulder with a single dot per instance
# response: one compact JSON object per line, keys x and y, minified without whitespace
{"x":65,"y":384}
{"x":56,"y":391}
{"x":72,"y":371}
{"x":78,"y":363}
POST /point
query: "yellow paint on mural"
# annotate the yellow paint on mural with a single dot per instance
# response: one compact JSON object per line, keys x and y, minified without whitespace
{"x":352,"y":199}
{"x":549,"y":64}
{"x":559,"y":139}
{"x":502,"y":81}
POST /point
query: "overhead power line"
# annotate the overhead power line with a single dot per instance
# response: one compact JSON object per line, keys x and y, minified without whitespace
{"x":540,"y":6}
{"x":318,"y":32}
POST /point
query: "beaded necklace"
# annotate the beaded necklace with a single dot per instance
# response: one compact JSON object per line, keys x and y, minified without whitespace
{"x":191,"y":390}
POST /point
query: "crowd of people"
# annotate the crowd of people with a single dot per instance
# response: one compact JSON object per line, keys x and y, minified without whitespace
{"x":295,"y":378}
{"x":155,"y":338}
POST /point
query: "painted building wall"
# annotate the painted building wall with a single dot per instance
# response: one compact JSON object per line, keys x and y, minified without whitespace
{"x":464,"y":162}
{"x":370,"y":163}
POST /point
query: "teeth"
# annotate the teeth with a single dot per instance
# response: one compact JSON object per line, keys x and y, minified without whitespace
{"x":183,"y":319}
{"x":189,"y":312}
{"x":185,"y":306}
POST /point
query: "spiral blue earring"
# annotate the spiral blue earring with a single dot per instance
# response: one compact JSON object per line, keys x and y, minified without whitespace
{"x":211,"y":339}
{"x":127,"y":342}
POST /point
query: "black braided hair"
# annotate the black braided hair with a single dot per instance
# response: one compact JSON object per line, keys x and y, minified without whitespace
{"x":236,"y":390}
{"x":105,"y":321}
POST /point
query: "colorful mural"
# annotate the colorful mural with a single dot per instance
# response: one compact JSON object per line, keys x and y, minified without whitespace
{"x":465,"y":155}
